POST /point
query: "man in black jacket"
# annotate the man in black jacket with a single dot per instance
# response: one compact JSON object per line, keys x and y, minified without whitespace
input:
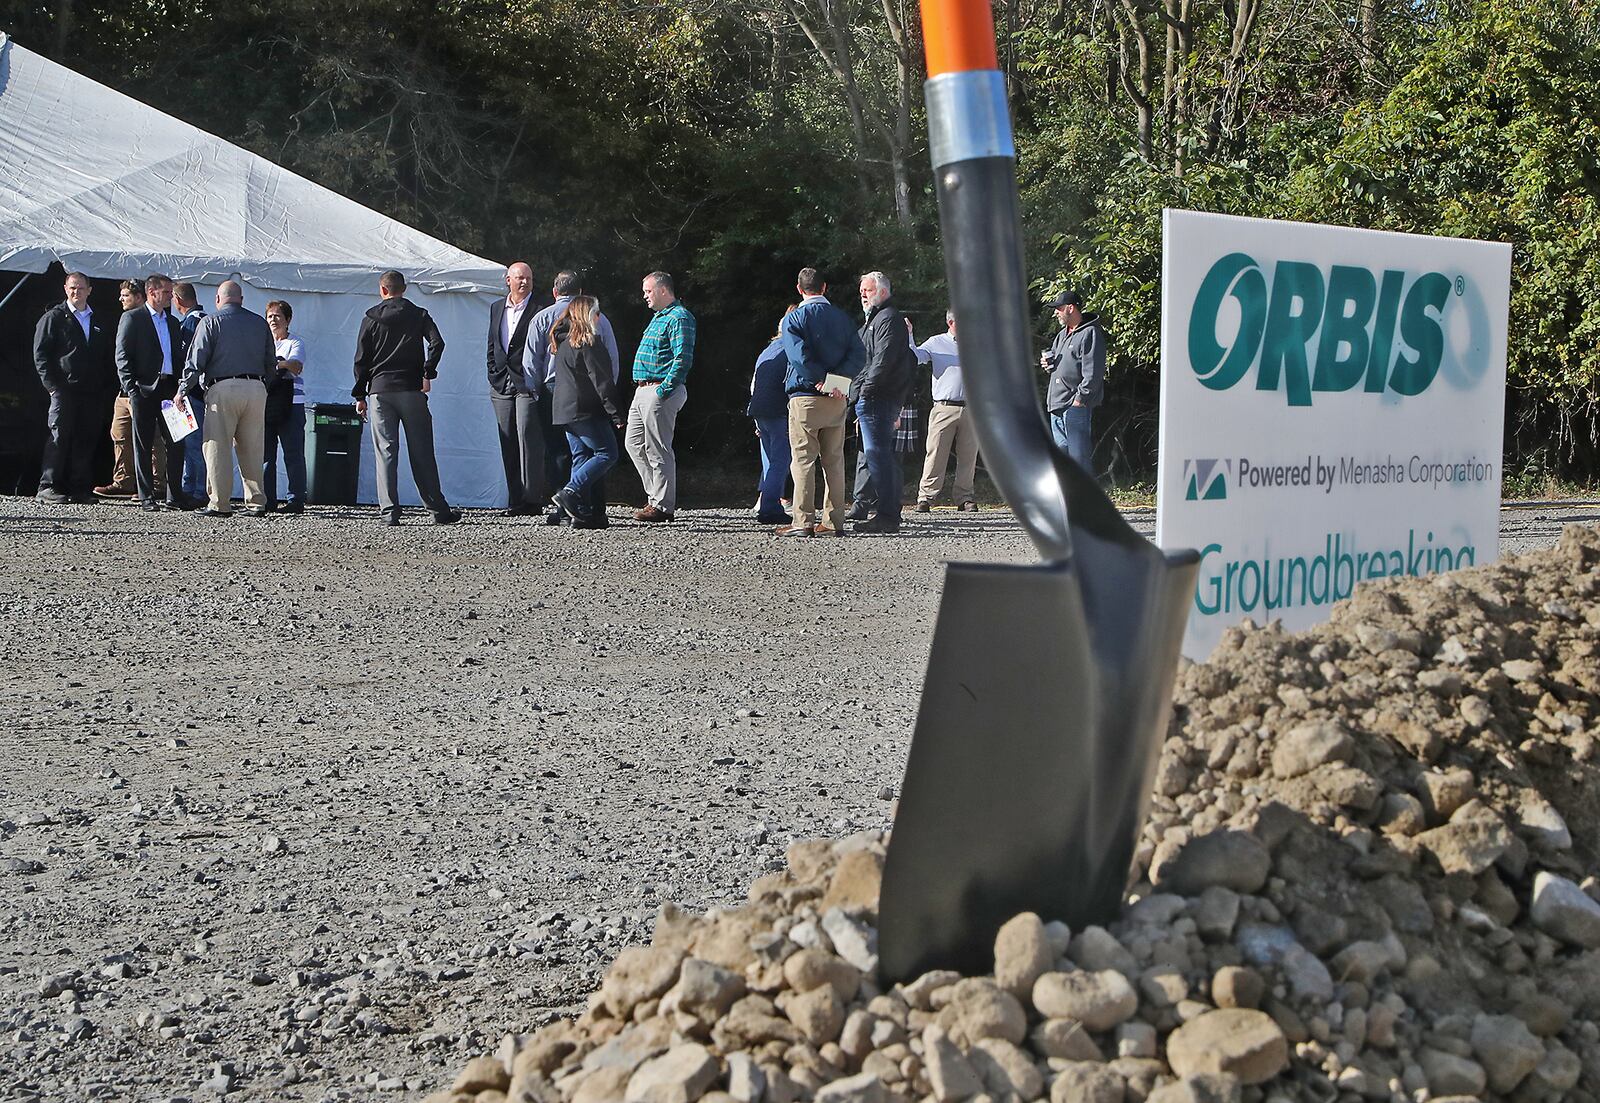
{"x":72,"y":352}
{"x":393,"y":370}
{"x":879,"y":392}
{"x":516,"y":407}
{"x":149,"y":355}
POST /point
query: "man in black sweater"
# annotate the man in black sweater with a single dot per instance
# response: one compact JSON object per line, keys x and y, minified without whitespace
{"x":394,"y":372}
{"x":72,"y":352}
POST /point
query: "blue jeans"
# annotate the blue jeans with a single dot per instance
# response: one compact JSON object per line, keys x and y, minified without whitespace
{"x":194,"y":459}
{"x":291,"y":434}
{"x":877,"y":419}
{"x":775,"y":457}
{"x":593,"y":443}
{"x":1070,"y":427}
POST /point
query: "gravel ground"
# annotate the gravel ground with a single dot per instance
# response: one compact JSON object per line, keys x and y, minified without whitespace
{"x":406,"y":791}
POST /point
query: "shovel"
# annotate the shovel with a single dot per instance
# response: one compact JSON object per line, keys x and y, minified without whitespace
{"x":1048,"y":688}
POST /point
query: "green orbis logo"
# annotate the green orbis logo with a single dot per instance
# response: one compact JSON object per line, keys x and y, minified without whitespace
{"x":1307,"y":333}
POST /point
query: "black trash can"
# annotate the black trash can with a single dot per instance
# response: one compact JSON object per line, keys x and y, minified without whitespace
{"x":333,"y":453}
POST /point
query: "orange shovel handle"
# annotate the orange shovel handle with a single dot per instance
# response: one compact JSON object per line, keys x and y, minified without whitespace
{"x":958,"y":36}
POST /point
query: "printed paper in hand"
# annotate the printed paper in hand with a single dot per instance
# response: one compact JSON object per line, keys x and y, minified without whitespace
{"x":840,"y":383}
{"x":180,"y":420}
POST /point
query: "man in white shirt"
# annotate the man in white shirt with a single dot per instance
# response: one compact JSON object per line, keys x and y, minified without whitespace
{"x":149,"y":352}
{"x":948,"y":424}
{"x":516,"y":404}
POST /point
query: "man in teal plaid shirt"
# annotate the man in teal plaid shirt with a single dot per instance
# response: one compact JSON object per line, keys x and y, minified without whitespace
{"x":666,"y":352}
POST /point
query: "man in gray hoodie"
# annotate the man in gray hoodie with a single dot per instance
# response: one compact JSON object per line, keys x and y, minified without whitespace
{"x":1076,"y":361}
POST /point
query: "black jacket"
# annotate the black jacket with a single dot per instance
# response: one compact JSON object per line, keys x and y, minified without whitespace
{"x":389,"y":348}
{"x":65,"y":358}
{"x":138,"y":351}
{"x":584,"y":386}
{"x":505,"y":365}
{"x":890,"y":361}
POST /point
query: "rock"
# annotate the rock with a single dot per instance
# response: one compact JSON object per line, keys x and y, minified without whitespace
{"x":681,"y":1075}
{"x":1066,"y":1039}
{"x":632,"y":1046}
{"x":1231,"y":859}
{"x":1506,"y":1048}
{"x":1445,"y":791}
{"x":1237,"y":986}
{"x":949,"y":1073}
{"x":602,"y":1086}
{"x":813,"y":968}
{"x":1197,"y":1089}
{"x":541,"y":1056}
{"x":482,"y":1074}
{"x":979,"y":1008}
{"x":856,"y":882}
{"x":1098,"y":1000}
{"x":1136,"y":1039}
{"x":1555,"y":1076}
{"x":1562,"y":910}
{"x":818,"y":1013}
{"x":1096,"y":948}
{"x":1450,"y":1074}
{"x":1217,"y":913}
{"x":1365,"y":960}
{"x":1471,"y":842}
{"x":1308,"y":978}
{"x":852,"y":940}
{"x":640,"y":973}
{"x":704,"y":990}
{"x":1083,"y":1082}
{"x":861,"y":1088}
{"x":1003,"y":1067}
{"x":746,"y":1082}
{"x":1246,"y":1045}
{"x":1348,"y":787}
{"x":919,"y":993}
{"x":1022,"y":954}
{"x":1476,"y":711}
{"x":1304,"y":748}
{"x":1541,"y":823}
{"x":750,"y":1023}
{"x":1401,"y":814}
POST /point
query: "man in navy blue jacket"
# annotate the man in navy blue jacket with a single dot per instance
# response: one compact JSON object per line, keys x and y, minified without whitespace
{"x":819,"y":340}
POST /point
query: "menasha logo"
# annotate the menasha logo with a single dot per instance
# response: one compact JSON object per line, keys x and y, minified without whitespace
{"x":1320,"y":334}
{"x":1205,"y":480}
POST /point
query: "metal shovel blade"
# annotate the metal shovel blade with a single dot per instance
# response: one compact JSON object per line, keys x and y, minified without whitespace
{"x":1032,"y":761}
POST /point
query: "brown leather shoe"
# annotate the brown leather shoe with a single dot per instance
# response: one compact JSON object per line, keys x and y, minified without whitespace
{"x":923,"y":505}
{"x":651,"y":515}
{"x":114,"y":491}
{"x":824,"y":530}
{"x":794,"y":530}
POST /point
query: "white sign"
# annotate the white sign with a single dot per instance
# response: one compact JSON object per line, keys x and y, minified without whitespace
{"x":1331,"y":411}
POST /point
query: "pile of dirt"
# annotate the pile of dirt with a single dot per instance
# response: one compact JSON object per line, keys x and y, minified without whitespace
{"x":1368,"y":873}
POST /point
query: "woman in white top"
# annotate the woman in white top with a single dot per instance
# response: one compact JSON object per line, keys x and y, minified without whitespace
{"x":286,"y":412}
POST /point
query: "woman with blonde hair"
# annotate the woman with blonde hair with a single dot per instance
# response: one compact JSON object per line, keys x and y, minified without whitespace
{"x":584,"y":405}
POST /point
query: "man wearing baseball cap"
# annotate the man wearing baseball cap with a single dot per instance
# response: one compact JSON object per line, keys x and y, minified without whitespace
{"x":1076,"y":361}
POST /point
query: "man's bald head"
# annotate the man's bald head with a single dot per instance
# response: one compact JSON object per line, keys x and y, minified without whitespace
{"x":229,"y":292}
{"x":519,"y":281}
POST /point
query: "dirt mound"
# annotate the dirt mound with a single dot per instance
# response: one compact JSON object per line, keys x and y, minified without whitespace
{"x":1368,"y":873}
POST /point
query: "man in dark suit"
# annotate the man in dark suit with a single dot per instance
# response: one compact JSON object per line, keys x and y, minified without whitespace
{"x":149,"y":355}
{"x":72,"y":352}
{"x":516,"y":408}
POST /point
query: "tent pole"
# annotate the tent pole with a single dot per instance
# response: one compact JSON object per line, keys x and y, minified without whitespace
{"x":17,"y":287}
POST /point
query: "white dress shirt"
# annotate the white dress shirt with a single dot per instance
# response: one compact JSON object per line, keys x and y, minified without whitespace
{"x":84,"y":317}
{"x":941,"y":353}
{"x":510,"y":319}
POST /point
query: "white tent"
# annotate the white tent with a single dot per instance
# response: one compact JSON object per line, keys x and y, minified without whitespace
{"x":117,"y":189}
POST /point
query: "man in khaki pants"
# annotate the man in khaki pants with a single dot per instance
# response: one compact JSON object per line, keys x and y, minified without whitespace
{"x":820,"y":340}
{"x":948,"y":424}
{"x":232,"y":355}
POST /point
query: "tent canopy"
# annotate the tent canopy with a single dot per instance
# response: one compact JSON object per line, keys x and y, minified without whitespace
{"x":111,"y":186}
{"x":115,"y":189}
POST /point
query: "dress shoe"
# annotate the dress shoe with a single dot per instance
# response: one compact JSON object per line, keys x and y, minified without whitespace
{"x":113,"y":491}
{"x":824,"y":530}
{"x":447,"y":517}
{"x":209,"y":512}
{"x":392,"y":520}
{"x":877,"y":525}
{"x":260,"y":512}
{"x":775,"y":519}
{"x":52,"y":496}
{"x":858,"y":513}
{"x":84,"y":500}
{"x":650,"y":515}
{"x":795,"y":530}
{"x":152,"y":507}
{"x":295,"y":507}
{"x":968,"y":507}
{"x":590,"y":523}
{"x":923,"y":505}
{"x":555,"y":515}
{"x":518,"y":511}
{"x":182,"y":505}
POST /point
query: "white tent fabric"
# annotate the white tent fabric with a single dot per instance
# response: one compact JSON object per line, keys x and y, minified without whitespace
{"x":117,"y":189}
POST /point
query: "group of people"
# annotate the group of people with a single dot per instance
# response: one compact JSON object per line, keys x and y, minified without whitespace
{"x":555,"y":385}
{"x":233,"y":374}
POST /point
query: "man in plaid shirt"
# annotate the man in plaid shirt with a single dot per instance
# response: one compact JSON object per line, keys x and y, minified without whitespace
{"x":666,"y":352}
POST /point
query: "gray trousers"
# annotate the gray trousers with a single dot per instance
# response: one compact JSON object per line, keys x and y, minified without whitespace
{"x":391,"y":412}
{"x":521,"y":448}
{"x":651,"y":421}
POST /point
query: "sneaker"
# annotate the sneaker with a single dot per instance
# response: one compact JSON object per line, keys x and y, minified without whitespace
{"x":968,"y":507}
{"x":923,"y":505}
{"x":52,"y":496}
{"x":858,"y":513}
{"x":794,"y":530}
{"x":878,"y":525}
{"x":651,"y":515}
{"x":775,"y":519}
{"x":568,"y":501}
{"x":447,"y":517}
